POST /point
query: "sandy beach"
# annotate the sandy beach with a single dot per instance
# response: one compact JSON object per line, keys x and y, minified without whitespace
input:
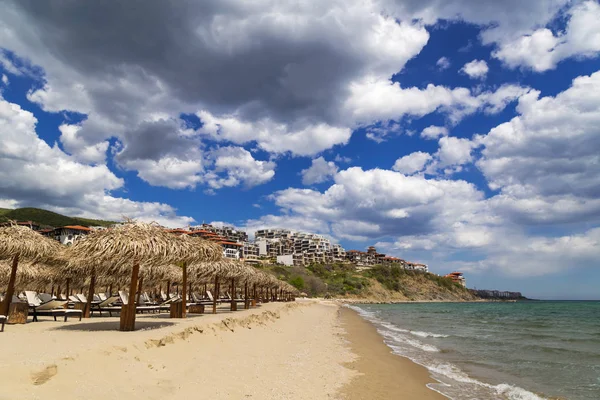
{"x":302,"y":350}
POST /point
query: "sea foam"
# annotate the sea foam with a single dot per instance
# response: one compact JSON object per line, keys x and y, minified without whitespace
{"x":453,"y":382}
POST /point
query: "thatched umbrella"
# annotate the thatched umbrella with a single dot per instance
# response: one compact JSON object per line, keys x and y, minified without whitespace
{"x":22,"y":243}
{"x":127,"y":248}
{"x":27,"y":274}
{"x":212,"y":252}
{"x":222,"y":270}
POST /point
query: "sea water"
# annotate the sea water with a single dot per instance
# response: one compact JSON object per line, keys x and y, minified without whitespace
{"x":523,"y":350}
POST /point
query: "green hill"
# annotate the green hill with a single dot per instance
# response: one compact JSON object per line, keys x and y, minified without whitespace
{"x":47,"y":218}
{"x":379,"y":284}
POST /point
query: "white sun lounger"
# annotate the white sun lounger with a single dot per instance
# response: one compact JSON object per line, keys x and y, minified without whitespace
{"x":125,"y":300}
{"x":107,"y":306}
{"x":52,"y":307}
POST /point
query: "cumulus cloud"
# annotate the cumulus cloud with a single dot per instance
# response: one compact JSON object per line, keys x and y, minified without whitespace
{"x":319,"y":171}
{"x":545,"y":160}
{"x":543,"y":49}
{"x":476,"y":69}
{"x":34,"y":174}
{"x":235,"y":166}
{"x":5,"y":79}
{"x":412,"y":163}
{"x":434,"y":132}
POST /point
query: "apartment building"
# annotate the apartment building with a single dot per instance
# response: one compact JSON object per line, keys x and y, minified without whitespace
{"x":228,"y":232}
{"x":250,"y":252}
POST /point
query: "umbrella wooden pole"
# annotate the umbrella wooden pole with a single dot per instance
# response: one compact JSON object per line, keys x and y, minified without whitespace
{"x":184,"y":291}
{"x":68,"y":287}
{"x":52,"y":290}
{"x":246,"y":300}
{"x":10,"y":290}
{"x":233,"y":306}
{"x":110,"y":290}
{"x":215,"y":294}
{"x":90,"y":296}
{"x":128,"y":311}
{"x":204,"y":294}
{"x":168,"y":290}
{"x":139,"y":290}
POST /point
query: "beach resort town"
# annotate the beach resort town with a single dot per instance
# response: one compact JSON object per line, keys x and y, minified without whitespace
{"x":270,"y":246}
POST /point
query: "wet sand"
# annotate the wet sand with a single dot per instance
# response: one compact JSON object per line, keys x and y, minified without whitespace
{"x":383,"y":375}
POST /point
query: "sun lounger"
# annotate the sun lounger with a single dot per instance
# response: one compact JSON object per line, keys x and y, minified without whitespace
{"x":212,"y":299}
{"x":53,"y":308}
{"x":45,"y":297}
{"x":106,"y":306}
{"x":74,"y":299}
{"x":102,"y":296}
{"x":2,"y":322}
{"x":125,"y":300}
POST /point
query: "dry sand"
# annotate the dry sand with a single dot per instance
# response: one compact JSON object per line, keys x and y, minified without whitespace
{"x":276,"y":351}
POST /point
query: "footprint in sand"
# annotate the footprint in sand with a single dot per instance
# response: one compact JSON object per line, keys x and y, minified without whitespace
{"x":43,"y":376}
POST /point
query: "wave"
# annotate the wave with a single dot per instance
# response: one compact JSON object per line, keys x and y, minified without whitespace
{"x":453,"y":382}
{"x":428,"y":334}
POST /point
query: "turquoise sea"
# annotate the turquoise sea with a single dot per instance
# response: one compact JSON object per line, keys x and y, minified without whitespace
{"x":523,"y":350}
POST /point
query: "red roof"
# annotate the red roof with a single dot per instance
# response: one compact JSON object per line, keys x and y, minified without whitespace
{"x":230,"y":243}
{"x":77,"y":228}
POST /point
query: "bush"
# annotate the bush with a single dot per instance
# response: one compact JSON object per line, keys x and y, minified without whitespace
{"x":297,"y":282}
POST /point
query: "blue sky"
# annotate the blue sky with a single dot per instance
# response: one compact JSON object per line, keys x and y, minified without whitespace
{"x":463,"y":135}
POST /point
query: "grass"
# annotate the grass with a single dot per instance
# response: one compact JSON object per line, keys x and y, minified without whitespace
{"x":339,"y":280}
{"x":47,"y":218}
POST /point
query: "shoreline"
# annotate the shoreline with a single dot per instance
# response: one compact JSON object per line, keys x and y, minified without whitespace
{"x":303,"y":350}
{"x":381,"y":374}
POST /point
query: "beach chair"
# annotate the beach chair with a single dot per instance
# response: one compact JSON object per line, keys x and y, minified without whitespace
{"x":45,"y":297}
{"x":102,"y":296}
{"x":2,"y":322}
{"x":238,"y":300}
{"x":74,"y":299}
{"x":106,"y":306}
{"x":139,"y":308}
{"x":212,"y":299}
{"x":53,"y":308}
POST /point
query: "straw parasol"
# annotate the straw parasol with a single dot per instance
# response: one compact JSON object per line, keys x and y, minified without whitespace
{"x":22,"y":243}
{"x":130,"y":248}
{"x":212,"y":252}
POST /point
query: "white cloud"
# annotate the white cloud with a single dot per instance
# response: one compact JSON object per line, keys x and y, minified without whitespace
{"x":476,"y":69}
{"x":239,"y":167}
{"x":319,"y":171}
{"x":274,"y":137}
{"x":35,"y":174}
{"x":454,"y":151}
{"x":382,"y":100}
{"x":341,"y":159}
{"x":5,"y":79}
{"x":443,"y":63}
{"x":169,"y":172}
{"x":434,"y":132}
{"x":545,"y":161}
{"x":542,"y":49}
{"x":412,"y":163}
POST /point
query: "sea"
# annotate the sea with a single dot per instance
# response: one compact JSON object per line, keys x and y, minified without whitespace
{"x":526,"y":350}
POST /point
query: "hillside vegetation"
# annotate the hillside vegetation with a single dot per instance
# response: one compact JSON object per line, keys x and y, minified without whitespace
{"x":379,"y":284}
{"x":47,"y":218}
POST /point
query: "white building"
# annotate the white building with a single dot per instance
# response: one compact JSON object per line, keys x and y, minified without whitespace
{"x":67,"y":235}
{"x":287,"y":260}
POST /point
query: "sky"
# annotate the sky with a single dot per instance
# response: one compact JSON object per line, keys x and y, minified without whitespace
{"x":458,"y":133}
